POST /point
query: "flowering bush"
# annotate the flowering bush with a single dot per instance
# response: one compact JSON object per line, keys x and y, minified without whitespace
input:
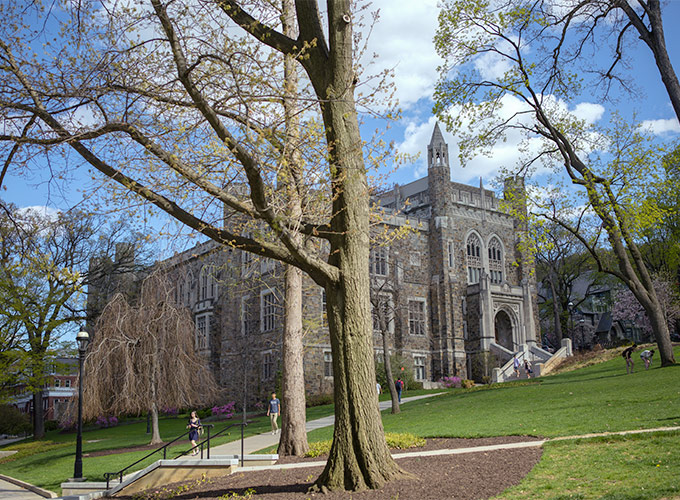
{"x":259,"y":406}
{"x":224,"y":411}
{"x":103,"y":421}
{"x":170,"y":412}
{"x":450,"y":382}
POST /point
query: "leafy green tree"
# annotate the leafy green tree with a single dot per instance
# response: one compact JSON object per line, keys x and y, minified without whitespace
{"x":44,"y":267}
{"x":613,"y":168}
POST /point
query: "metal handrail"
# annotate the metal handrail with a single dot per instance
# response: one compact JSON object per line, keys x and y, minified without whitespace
{"x":109,"y":475}
{"x":207,"y":441}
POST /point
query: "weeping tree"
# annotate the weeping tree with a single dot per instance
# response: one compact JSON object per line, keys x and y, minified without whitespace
{"x":143,"y":358}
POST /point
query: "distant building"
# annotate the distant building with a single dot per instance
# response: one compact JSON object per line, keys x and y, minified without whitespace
{"x":60,"y":387}
{"x":458,"y":281}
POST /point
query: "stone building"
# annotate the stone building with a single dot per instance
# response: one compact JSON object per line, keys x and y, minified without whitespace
{"x":457,"y":284}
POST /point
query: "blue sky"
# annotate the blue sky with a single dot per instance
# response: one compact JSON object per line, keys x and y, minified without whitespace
{"x":402,"y":39}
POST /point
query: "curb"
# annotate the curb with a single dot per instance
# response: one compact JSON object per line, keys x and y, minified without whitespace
{"x":28,"y":486}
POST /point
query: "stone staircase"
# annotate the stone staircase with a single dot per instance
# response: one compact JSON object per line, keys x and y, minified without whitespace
{"x":542,"y":362}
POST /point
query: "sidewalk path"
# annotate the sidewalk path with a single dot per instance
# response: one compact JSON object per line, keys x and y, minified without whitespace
{"x":260,"y":441}
{"x":15,"y":492}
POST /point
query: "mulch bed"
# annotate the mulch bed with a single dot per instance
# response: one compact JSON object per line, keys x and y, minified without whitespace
{"x":469,"y":476}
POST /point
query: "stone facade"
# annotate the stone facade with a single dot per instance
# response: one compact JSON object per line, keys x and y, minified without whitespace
{"x":456,"y":283}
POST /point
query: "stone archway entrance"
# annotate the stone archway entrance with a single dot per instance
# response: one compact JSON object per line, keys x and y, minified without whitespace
{"x":503,"y":329}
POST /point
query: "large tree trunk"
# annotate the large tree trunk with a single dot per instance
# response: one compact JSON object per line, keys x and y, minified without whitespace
{"x":659,"y":323}
{"x":38,"y":415}
{"x":359,"y":456}
{"x":293,"y":414}
{"x":293,"y":433}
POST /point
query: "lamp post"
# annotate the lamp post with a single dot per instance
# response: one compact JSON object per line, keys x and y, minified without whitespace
{"x":83,"y":340}
{"x":571,"y":320}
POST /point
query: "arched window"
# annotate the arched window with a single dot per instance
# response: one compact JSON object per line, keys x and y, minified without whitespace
{"x":495,"y":260}
{"x":206,"y":283}
{"x":474,"y":258}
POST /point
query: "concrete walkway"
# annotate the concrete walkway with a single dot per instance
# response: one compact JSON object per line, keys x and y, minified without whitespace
{"x":18,"y":490}
{"x":260,"y":441}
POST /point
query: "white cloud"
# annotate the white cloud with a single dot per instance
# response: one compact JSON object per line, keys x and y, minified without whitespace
{"x":403,"y":40}
{"x":659,"y":127}
{"x":588,"y":112}
{"x":41,"y":211}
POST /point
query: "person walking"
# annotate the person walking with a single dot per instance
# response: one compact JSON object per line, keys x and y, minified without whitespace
{"x":628,"y":356}
{"x":399,"y":385}
{"x":646,"y":356}
{"x":194,"y":426}
{"x":527,"y":368}
{"x":273,"y":411}
{"x":515,"y":365}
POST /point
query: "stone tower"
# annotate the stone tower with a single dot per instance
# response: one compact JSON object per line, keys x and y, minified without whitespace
{"x":448,"y":356}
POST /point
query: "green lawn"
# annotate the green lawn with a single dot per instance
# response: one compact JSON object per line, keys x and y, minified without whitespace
{"x":635,"y":467}
{"x":594,"y":399}
{"x":598,"y":398}
{"x":49,"y":468}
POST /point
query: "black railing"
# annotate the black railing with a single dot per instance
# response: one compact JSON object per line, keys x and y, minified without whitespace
{"x":164,"y":449}
{"x":206,"y":442}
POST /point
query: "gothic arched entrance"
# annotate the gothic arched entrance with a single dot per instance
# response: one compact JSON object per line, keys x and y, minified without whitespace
{"x":503,"y":328}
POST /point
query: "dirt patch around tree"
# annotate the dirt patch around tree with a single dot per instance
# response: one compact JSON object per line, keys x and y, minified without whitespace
{"x":468,"y":476}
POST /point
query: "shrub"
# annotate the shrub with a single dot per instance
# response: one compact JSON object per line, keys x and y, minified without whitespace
{"x":450,"y":382}
{"x":400,"y":441}
{"x":467,"y":384}
{"x":51,"y":425}
{"x":224,"y":411}
{"x":486,"y":379}
{"x":104,"y":421}
{"x":204,"y":413}
{"x":12,"y":421}
{"x":319,"y":399}
{"x":170,"y":412}
{"x":259,"y":406}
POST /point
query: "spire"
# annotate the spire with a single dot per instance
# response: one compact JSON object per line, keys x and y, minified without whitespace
{"x":437,"y":150}
{"x":437,"y":137}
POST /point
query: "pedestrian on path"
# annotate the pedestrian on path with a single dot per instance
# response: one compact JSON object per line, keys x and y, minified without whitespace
{"x":515,"y":365}
{"x":628,"y":356}
{"x":399,"y":385}
{"x":378,"y":388}
{"x":273,"y":411}
{"x":527,"y":368}
{"x":194,"y":426}
{"x":646,"y":356}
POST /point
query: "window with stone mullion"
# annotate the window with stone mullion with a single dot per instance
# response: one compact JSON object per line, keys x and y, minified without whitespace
{"x":474,"y":259}
{"x":416,"y":317}
{"x":495,"y":261}
{"x":378,"y":261}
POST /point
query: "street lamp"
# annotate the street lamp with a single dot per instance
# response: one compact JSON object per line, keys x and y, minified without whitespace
{"x":83,"y":340}
{"x":571,"y":320}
